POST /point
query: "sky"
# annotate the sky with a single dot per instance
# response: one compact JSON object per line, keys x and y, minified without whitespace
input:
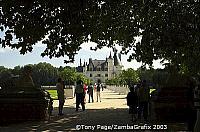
{"x":10,"y":58}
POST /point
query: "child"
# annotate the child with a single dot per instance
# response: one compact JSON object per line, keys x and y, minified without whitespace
{"x":132,"y":102}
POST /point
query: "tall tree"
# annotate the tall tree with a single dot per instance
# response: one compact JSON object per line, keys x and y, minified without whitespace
{"x":17,"y":70}
{"x":5,"y":74}
{"x":80,"y":76}
{"x":69,"y":75}
{"x":44,"y":74}
{"x":169,"y":28}
{"x":129,"y":76}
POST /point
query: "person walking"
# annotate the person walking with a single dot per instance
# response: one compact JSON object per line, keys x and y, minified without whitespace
{"x":98,"y":91}
{"x":85,"y":91}
{"x":90,"y":92}
{"x":143,"y":96}
{"x":132,"y":102}
{"x":61,"y":98}
{"x":79,"y":91}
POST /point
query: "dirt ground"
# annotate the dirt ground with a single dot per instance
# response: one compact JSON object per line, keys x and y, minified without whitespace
{"x":111,"y":114}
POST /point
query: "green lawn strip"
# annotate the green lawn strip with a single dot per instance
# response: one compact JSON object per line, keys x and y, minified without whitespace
{"x":151,"y":90}
{"x":53,"y":94}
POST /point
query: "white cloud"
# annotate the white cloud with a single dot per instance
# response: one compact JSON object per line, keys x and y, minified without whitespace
{"x":85,"y":53}
{"x":39,"y":45}
{"x":11,"y":58}
{"x":87,"y":46}
{"x":2,"y":50}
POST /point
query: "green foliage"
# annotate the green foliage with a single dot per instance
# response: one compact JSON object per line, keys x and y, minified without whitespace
{"x":28,"y":22}
{"x":109,"y":82}
{"x":17,"y":70}
{"x":157,"y":77}
{"x":80,"y":76}
{"x":125,"y":78}
{"x":128,"y":76}
{"x":169,"y":29}
{"x":53,"y":94}
{"x":44,"y":74}
{"x":2,"y":69}
{"x":113,"y":81}
{"x":68,"y":74}
{"x":5,"y":73}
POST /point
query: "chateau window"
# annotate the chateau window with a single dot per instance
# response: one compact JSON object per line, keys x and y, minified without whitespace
{"x":98,"y":75}
{"x":106,"y":75}
{"x":90,"y":69}
{"x":90,"y":75}
{"x":106,"y":69}
{"x":98,"y":69}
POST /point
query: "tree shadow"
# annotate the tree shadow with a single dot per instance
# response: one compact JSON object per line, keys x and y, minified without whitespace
{"x":71,"y":118}
{"x":115,"y":98}
{"x":89,"y":117}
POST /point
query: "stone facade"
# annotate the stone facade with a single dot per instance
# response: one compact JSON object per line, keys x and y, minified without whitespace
{"x":101,"y":69}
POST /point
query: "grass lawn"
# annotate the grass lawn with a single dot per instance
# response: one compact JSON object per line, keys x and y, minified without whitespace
{"x":151,"y":90}
{"x":53,"y":94}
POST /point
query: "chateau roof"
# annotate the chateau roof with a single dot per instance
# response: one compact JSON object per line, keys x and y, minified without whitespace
{"x":116,"y":61}
{"x":98,"y":62}
{"x":95,"y":64}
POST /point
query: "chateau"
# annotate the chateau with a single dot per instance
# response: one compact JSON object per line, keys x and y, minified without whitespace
{"x":101,"y":69}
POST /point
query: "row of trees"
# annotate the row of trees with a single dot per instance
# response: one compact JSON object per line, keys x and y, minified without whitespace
{"x":45,"y":74}
{"x":124,"y":78}
{"x":157,"y":77}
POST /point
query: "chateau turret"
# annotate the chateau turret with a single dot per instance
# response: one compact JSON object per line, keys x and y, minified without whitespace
{"x":101,"y":69}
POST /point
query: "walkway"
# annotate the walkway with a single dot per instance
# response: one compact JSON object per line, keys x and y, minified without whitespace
{"x":107,"y":114}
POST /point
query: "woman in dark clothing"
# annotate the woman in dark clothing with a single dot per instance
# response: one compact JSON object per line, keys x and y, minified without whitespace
{"x":132,"y":102}
{"x":79,"y":91}
{"x":90,"y":92}
{"x":61,"y":97}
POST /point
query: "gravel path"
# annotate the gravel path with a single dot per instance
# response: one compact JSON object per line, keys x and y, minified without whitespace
{"x":110,"y":113}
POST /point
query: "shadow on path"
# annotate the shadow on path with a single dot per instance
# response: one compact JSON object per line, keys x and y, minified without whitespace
{"x":71,"y":119}
{"x":91,"y":117}
{"x":111,"y":111}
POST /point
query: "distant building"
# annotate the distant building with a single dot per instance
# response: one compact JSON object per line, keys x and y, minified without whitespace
{"x":101,"y":69}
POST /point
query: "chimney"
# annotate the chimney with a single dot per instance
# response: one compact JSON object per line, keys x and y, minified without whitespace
{"x":120,"y":57}
{"x":90,"y":60}
{"x":80,"y":63}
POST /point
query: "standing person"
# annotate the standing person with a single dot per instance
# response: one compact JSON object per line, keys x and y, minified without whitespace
{"x":132,"y":102}
{"x":90,"y":92}
{"x":98,"y":90}
{"x":143,"y":96}
{"x":85,"y":91}
{"x":95,"y":87}
{"x":79,"y":91}
{"x":60,"y":92}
